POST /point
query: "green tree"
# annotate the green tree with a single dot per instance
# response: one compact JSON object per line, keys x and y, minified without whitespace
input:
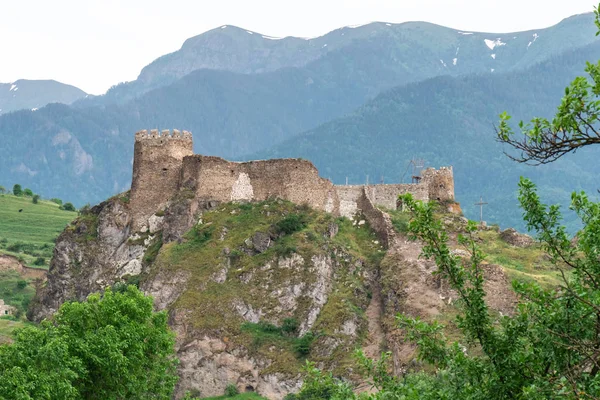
{"x":574,"y":125}
{"x":2,"y":190}
{"x":35,"y":199}
{"x":68,"y":207}
{"x":28,"y":192}
{"x":17,"y":190}
{"x":111,"y":346}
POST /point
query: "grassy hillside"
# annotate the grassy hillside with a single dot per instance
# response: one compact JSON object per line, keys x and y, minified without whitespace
{"x":30,"y":234}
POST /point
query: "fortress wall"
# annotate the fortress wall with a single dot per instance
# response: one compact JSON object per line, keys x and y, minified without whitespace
{"x":213,"y":178}
{"x":380,"y":195}
{"x":379,"y":221}
{"x":440,"y":183}
{"x":387,"y":195}
{"x":348,"y":196}
{"x":156,"y":171}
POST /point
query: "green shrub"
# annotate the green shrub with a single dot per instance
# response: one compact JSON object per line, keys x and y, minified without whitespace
{"x":39,"y":261}
{"x":57,"y":201}
{"x":35,"y":199}
{"x":68,"y":207}
{"x":290,"y":326}
{"x":303,"y":344}
{"x":231,"y":390}
{"x":22,"y":284}
{"x":17,"y":190}
{"x":291,"y":223}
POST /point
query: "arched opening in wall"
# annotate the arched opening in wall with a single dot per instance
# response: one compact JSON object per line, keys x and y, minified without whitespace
{"x":164,"y":171}
{"x":442,"y":186}
{"x":249,"y":388}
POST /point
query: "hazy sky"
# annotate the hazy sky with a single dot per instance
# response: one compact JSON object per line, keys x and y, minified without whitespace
{"x":94,"y":44}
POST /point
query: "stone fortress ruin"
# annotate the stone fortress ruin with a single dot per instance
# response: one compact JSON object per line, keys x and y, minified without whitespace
{"x":165,"y":165}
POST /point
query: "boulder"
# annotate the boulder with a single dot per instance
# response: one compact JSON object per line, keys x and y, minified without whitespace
{"x":511,"y":236}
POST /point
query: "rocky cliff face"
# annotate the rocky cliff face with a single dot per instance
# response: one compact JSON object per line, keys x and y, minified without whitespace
{"x":253,"y":289}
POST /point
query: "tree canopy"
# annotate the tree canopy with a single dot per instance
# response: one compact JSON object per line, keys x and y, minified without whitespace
{"x":575,"y":124}
{"x":112,"y":346}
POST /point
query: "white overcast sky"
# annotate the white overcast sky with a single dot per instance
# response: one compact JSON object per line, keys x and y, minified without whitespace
{"x":94,"y":44}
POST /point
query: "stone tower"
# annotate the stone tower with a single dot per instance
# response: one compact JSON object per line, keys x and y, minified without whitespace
{"x":440,"y":183}
{"x":157,"y":162}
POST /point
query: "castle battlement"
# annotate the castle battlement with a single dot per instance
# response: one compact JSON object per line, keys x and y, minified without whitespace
{"x":164,"y":163}
{"x":164,"y":134}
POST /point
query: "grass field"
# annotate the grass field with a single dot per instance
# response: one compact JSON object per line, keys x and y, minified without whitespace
{"x":30,"y":234}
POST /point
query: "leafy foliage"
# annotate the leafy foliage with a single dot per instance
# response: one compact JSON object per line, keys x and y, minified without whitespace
{"x":291,"y":223}
{"x":17,"y":190}
{"x":108,"y":347}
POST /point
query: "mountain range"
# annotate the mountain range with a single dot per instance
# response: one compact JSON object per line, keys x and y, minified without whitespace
{"x":34,"y":94}
{"x":357,"y":101}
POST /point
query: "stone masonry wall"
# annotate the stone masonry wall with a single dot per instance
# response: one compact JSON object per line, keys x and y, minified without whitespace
{"x":379,"y":221}
{"x":164,"y":163}
{"x":296,"y":180}
{"x":156,"y":171}
{"x":380,"y":195}
{"x":6,"y":309}
{"x":440,"y":183}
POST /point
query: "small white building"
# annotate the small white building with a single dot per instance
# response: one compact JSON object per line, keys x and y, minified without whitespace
{"x":6,"y":309}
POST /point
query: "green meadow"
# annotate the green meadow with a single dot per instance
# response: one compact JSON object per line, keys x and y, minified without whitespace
{"x":30,"y":233}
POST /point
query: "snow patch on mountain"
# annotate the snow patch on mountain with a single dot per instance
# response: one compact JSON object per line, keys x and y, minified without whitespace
{"x":271,"y":37}
{"x":464,"y":33}
{"x":493,"y":43}
{"x":535,"y":37}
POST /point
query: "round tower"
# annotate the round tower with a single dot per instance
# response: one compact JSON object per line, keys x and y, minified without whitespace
{"x":440,"y":183}
{"x":157,"y":162}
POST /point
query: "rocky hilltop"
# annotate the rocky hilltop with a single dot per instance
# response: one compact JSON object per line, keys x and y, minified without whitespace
{"x":260,"y":265}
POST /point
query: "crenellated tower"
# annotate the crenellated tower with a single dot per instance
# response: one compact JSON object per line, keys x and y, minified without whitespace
{"x":157,"y":162}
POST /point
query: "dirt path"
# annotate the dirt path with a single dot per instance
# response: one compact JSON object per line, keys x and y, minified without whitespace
{"x":8,"y":263}
{"x":376,"y":337}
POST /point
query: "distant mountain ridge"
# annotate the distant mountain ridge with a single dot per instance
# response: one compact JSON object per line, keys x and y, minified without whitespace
{"x":33,"y":94}
{"x":448,"y":50}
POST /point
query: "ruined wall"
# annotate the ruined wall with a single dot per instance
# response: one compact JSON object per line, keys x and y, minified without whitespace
{"x":380,"y":195}
{"x":296,"y":180}
{"x":379,"y":221}
{"x":6,"y":309}
{"x":156,"y":170}
{"x":440,"y":183}
{"x":164,"y":163}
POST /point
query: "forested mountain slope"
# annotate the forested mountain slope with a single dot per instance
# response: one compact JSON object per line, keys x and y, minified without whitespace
{"x":450,"y":121}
